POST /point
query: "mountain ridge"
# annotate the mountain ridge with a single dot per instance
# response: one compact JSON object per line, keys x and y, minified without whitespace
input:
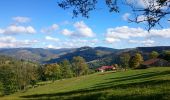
{"x":43,"y":55}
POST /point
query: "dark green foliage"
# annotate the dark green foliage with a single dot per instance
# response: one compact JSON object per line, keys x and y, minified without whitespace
{"x":153,"y":54}
{"x":8,"y":79}
{"x":80,"y":66}
{"x":52,"y":72}
{"x":16,"y":75}
{"x":66,"y":69}
{"x":41,"y":75}
{"x":165,"y":55}
{"x":124,"y":60}
{"x":136,"y":60}
{"x":1,"y":89}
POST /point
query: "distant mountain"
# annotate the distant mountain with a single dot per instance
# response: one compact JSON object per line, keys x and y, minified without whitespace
{"x":156,"y":48}
{"x":114,"y":57}
{"x":88,"y":53}
{"x":93,"y":55}
{"x":34,"y":54}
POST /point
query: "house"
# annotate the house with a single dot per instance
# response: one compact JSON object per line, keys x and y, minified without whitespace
{"x":156,"y":62}
{"x":106,"y":68}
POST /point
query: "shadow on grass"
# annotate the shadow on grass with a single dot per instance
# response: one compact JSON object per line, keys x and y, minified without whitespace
{"x":97,"y":92}
{"x":141,"y":77}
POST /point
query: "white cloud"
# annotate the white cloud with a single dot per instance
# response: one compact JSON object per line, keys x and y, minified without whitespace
{"x":139,"y":3}
{"x":164,"y":33}
{"x":124,"y":32}
{"x":146,"y":3}
{"x":14,"y":29}
{"x":141,"y":18}
{"x":83,"y":30}
{"x":7,"y":39}
{"x":50,"y":29}
{"x":12,"y":42}
{"x":126,"y":16}
{"x":67,"y":32}
{"x":49,"y":38}
{"x":73,"y":43}
{"x":147,"y":42}
{"x":20,"y":19}
{"x":111,"y":40}
{"x":50,"y":46}
{"x":133,"y":41}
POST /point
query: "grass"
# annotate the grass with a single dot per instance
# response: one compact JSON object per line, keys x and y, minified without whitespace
{"x":146,"y":84}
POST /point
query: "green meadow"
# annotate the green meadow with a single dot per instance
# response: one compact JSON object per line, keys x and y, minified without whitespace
{"x":145,"y":84}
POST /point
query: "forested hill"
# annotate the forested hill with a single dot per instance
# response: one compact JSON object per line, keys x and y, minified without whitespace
{"x":90,"y":54}
{"x":157,"y":49}
{"x":33,"y":54}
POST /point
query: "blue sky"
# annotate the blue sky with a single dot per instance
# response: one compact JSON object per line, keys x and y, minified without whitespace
{"x":42,"y":24}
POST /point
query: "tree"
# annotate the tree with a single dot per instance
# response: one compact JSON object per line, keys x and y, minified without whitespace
{"x":7,"y":79}
{"x":1,"y":89}
{"x":41,"y":75}
{"x":136,"y":60}
{"x":165,"y":55}
{"x":52,"y":72}
{"x":80,"y":66}
{"x":124,"y":60}
{"x":16,"y":75}
{"x":152,"y":11}
{"x":66,"y":69}
{"x":27,"y":73}
{"x":153,"y":54}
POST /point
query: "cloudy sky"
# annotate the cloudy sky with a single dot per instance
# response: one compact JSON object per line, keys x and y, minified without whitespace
{"x":42,"y":24}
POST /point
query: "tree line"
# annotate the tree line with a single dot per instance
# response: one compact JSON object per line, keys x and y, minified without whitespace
{"x":19,"y":75}
{"x":134,"y":61}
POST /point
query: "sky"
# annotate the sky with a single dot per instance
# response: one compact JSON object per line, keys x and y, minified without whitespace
{"x":42,"y":24}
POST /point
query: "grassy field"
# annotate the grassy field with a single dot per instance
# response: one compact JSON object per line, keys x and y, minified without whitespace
{"x":146,"y":84}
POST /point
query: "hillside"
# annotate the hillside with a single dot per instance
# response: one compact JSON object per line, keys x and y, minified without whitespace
{"x":88,"y":53}
{"x":150,"y":49}
{"x":148,"y":84}
{"x":93,"y":55}
{"x":33,"y":54}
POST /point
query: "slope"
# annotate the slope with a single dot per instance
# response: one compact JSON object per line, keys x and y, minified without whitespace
{"x":147,"y":84}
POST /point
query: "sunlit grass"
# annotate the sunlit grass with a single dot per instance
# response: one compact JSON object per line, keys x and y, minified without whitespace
{"x":146,"y":84}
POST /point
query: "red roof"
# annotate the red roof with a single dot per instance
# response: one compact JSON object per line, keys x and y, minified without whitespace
{"x":105,"y":67}
{"x":150,"y":61}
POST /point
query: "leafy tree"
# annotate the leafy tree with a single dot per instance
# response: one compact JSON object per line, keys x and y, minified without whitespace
{"x":80,"y":66}
{"x":165,"y":55}
{"x":41,"y":75}
{"x":153,"y":54}
{"x":124,"y":60}
{"x":26,"y":74}
{"x":1,"y":89}
{"x":66,"y":69}
{"x":7,"y":79}
{"x":136,"y":60}
{"x":16,"y":75}
{"x":52,"y":72}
